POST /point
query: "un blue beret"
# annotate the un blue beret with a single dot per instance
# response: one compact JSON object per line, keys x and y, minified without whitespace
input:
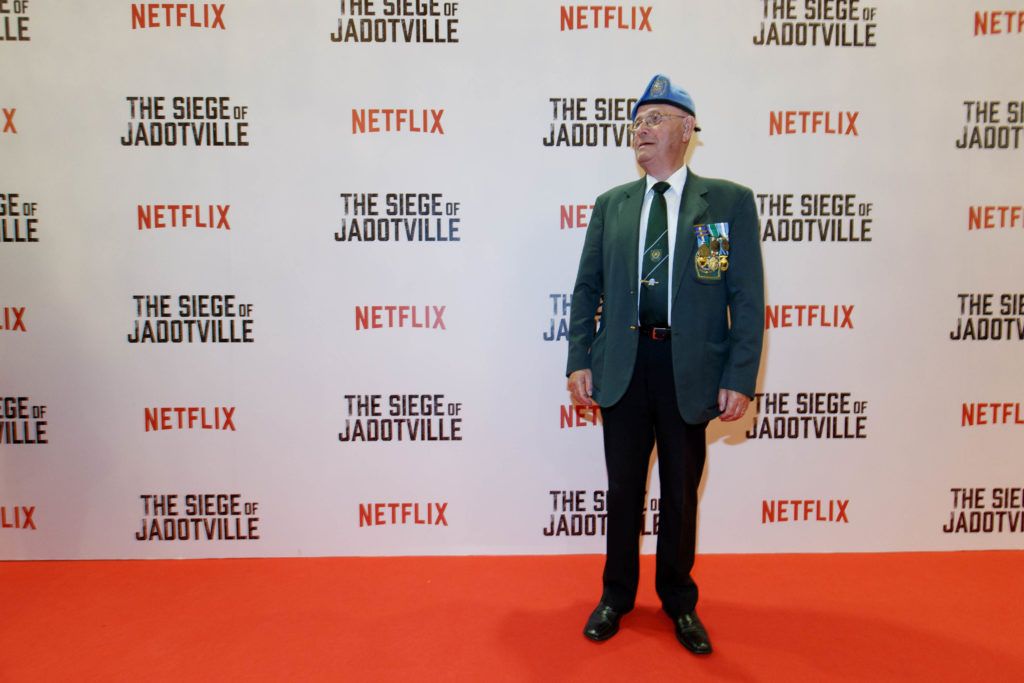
{"x":660,"y":89}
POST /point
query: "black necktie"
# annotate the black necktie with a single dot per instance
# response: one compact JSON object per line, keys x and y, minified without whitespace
{"x":654,"y":264}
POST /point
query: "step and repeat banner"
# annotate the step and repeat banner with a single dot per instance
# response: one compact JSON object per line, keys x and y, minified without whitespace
{"x":293,"y":278}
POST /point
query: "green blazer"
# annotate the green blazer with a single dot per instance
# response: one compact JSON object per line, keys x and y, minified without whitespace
{"x":717,"y":325}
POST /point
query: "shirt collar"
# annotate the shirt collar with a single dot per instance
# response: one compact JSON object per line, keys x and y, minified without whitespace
{"x":675,"y":181}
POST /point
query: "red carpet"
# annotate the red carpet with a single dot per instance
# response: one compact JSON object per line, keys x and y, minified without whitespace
{"x":857,"y":617}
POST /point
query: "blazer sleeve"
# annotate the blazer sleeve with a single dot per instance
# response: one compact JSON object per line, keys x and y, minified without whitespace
{"x":586,"y":294}
{"x":745,"y":290}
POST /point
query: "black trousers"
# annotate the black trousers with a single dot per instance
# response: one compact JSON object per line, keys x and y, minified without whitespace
{"x":647,"y":415}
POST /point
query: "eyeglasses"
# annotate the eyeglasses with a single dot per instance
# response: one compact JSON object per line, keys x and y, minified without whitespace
{"x":653,"y":119}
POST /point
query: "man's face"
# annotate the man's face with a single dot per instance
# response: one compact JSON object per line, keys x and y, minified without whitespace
{"x":662,"y":149}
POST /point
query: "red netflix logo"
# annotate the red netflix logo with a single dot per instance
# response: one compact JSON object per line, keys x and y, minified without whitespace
{"x":808,"y":315}
{"x":813,"y":122}
{"x":579,"y":416}
{"x":575,"y":216}
{"x":177,"y":15}
{"x":582,"y":17}
{"x":976,"y":414}
{"x":17,"y":517}
{"x":13,"y":319}
{"x":989,"y":217}
{"x":219,"y":418}
{"x":397,"y":121}
{"x":380,"y":317}
{"x":159,"y":216}
{"x":401,"y":514}
{"x":806,"y":510}
{"x":999,"y":21}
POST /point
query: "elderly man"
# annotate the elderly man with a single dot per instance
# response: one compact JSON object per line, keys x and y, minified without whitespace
{"x":673,"y":262}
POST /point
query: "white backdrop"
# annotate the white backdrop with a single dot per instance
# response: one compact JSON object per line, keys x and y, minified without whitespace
{"x":486,"y":133}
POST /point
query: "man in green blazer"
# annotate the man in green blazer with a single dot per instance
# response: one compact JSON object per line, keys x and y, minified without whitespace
{"x":671,"y":266}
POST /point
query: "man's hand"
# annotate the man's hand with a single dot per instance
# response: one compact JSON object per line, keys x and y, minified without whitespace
{"x":581,"y":387}
{"x":732,"y":404}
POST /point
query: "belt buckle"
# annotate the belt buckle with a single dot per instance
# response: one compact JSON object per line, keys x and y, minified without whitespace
{"x":655,"y":333}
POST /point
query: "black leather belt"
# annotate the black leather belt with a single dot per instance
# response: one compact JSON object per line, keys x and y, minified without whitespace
{"x":655,"y":333}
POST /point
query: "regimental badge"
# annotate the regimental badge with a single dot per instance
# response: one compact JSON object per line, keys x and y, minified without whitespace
{"x":712,"y":258}
{"x":658,"y":87}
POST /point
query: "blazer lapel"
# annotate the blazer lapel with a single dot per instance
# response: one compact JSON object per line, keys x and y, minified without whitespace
{"x":692,"y":206}
{"x":629,"y":225}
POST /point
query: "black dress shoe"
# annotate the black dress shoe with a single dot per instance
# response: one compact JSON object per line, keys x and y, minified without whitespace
{"x":691,"y":633}
{"x":602,"y":624}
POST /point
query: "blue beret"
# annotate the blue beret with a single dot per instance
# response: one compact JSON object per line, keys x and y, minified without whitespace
{"x":660,"y":89}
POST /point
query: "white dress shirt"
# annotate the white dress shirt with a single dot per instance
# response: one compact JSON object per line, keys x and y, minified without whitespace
{"x":673,"y":195}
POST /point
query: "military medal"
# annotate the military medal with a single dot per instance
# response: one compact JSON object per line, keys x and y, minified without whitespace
{"x":712,"y":258}
{"x":703,"y":252}
{"x":723,"y":246}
